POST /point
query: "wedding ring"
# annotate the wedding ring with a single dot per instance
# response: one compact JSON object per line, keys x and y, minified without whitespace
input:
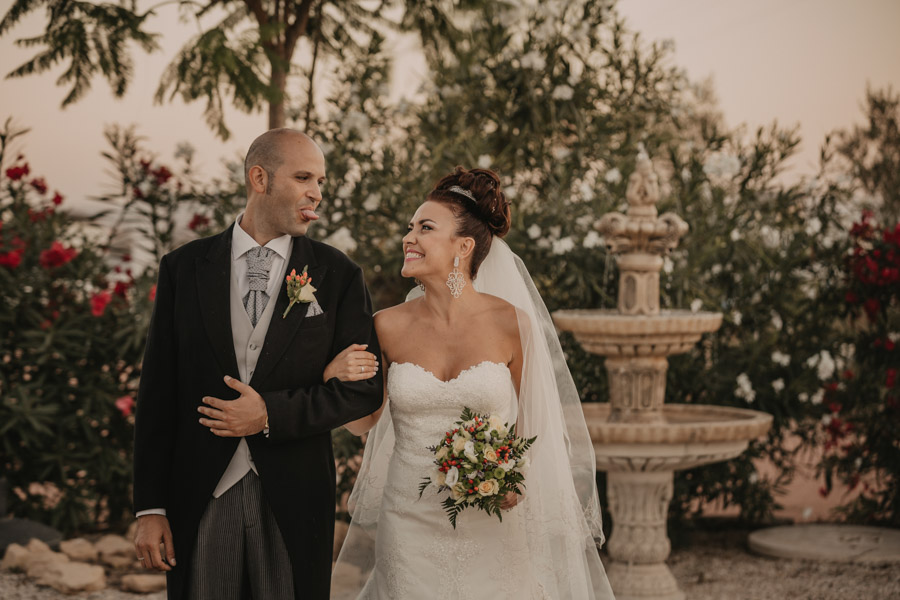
{"x":362,"y":369}
{"x":140,"y":558}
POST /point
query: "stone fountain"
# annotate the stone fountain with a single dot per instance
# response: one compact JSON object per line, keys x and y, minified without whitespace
{"x":638,"y":440}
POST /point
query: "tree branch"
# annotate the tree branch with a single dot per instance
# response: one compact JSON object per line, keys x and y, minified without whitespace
{"x":297,"y":28}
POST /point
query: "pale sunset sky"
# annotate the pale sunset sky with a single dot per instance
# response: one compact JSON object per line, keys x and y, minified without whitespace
{"x":802,"y":62}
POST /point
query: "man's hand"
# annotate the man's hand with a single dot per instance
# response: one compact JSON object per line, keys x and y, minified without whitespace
{"x":152,"y":532}
{"x":235,"y":418}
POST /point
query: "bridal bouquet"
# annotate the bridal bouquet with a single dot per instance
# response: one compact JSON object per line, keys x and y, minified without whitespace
{"x":479,"y":461}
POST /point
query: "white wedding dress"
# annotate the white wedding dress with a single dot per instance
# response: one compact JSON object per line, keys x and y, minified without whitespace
{"x":402,"y":547}
{"x":418,"y":554}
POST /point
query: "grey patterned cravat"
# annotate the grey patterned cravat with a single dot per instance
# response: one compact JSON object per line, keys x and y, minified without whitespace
{"x":259,"y":261}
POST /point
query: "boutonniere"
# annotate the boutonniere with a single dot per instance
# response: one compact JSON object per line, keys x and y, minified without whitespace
{"x":299,"y":289}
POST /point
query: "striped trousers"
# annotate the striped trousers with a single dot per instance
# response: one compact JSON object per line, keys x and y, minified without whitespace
{"x":240,"y":554}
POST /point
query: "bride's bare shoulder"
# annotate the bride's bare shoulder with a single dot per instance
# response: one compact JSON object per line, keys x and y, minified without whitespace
{"x":389,"y":319}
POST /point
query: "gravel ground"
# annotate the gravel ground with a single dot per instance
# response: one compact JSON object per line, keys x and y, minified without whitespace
{"x":711,"y":566}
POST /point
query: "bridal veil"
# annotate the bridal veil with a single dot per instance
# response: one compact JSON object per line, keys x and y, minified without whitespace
{"x":560,"y":507}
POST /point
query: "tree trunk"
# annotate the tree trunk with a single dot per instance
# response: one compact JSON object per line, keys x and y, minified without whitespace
{"x":276,"y":107}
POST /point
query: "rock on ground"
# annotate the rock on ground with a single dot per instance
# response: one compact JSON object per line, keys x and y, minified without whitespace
{"x":79,"y":549}
{"x":143,"y":584}
{"x":72,"y":577}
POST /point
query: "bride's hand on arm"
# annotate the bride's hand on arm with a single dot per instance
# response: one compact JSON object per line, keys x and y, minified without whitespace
{"x":361,"y":426}
{"x":352,"y":364}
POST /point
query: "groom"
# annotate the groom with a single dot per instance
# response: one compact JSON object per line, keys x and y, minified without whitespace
{"x":233,"y":466}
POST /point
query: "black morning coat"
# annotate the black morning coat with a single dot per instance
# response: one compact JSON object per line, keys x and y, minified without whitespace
{"x":178,"y":461}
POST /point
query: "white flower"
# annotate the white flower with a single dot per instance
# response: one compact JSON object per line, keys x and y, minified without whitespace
{"x":372,"y":202}
{"x":803,"y":397}
{"x":668,"y":265}
{"x":452,"y":476}
{"x":818,"y":397}
{"x":533,"y":60}
{"x":560,"y":152}
{"x":343,"y":240}
{"x":696,"y":305}
{"x":459,"y":443}
{"x":438,"y":478}
{"x":737,"y":317}
{"x":563,"y":92}
{"x":777,"y":323}
{"x":469,"y":451}
{"x":753,"y":478}
{"x":771,"y":237}
{"x":721,"y":164}
{"x":490,"y":454}
{"x":523,"y":465}
{"x":534,"y":232}
{"x":735,"y":235}
{"x":824,"y":364}
{"x":744,"y":388}
{"x":144,"y":187}
{"x":496,"y":423}
{"x":307,"y":293}
{"x":507,"y":465}
{"x":484,"y":161}
{"x":778,"y":384}
{"x":442,"y":453}
{"x":489,"y":487}
{"x":613,"y":176}
{"x":357,"y":122}
{"x":564,"y":245}
{"x":586,"y":191}
{"x":780,"y":358}
{"x":814,"y":226}
{"x":807,"y":513}
{"x":826,"y":420}
{"x":592,"y":239}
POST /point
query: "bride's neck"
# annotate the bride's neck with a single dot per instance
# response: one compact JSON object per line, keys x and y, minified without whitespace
{"x":444,"y":307}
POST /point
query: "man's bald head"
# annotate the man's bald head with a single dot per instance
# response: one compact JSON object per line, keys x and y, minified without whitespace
{"x":267,"y":151}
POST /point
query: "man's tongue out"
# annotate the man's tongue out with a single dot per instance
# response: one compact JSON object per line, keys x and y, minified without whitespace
{"x":309,"y":214}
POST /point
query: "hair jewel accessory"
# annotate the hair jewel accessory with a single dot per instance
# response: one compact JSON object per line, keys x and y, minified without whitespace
{"x":462,"y":192}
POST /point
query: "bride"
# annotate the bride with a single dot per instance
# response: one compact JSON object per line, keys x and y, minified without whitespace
{"x":475,"y":334}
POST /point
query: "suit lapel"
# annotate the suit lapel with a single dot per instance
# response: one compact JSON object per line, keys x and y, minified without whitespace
{"x":282,"y":330}
{"x":214,"y":291}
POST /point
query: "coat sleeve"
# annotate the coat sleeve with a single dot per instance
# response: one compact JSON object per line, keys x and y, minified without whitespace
{"x":154,"y":425}
{"x":317,"y":409}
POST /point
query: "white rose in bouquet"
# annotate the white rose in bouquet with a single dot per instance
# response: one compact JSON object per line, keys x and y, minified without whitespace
{"x":489,"y":487}
{"x":490,"y":454}
{"x":438,"y":478}
{"x":452,"y":476}
{"x":469,"y":451}
{"x":459,"y":443}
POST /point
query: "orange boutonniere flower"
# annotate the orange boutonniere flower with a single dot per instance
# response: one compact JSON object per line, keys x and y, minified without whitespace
{"x":299,"y":289}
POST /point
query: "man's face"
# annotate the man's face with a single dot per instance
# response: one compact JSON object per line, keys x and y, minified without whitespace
{"x":294,"y":193}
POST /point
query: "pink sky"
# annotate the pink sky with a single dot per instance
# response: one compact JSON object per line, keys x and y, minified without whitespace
{"x":803,"y":62}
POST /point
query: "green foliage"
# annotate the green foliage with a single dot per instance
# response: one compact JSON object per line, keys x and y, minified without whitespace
{"x":73,"y":331}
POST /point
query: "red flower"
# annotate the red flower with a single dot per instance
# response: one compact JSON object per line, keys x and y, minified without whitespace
{"x":99,"y":302}
{"x":872,"y":306}
{"x":851,"y":298}
{"x":121,"y":289}
{"x":152,"y":294}
{"x":823,"y":491}
{"x":834,"y":407}
{"x":17,"y":173}
{"x":198,"y":222}
{"x":891,"y":378}
{"x":57,"y":198}
{"x":41,"y":215}
{"x":12,"y":259}
{"x":57,"y":256}
{"x":889,"y":344}
{"x":125,"y":404}
{"x":39,"y":184}
{"x":848,"y":374}
{"x":162,"y":175}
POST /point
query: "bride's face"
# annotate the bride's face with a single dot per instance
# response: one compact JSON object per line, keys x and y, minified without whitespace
{"x":431,"y":243}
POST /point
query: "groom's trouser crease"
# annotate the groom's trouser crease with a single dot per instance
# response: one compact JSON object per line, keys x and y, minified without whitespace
{"x":238,"y":537}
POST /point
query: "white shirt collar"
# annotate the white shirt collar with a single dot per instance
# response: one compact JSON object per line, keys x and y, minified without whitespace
{"x":241,"y":242}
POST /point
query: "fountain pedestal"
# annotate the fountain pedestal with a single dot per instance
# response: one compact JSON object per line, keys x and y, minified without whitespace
{"x":639,"y":440}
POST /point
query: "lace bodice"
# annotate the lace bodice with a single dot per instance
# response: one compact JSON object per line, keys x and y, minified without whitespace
{"x":423,"y":407}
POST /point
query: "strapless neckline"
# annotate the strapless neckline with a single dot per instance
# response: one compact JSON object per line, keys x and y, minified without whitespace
{"x":459,"y":376}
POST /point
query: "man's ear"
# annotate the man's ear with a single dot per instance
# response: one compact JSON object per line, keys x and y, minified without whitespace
{"x":259,"y":179}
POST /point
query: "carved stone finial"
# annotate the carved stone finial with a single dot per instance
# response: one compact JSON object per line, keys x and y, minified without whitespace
{"x":643,"y":189}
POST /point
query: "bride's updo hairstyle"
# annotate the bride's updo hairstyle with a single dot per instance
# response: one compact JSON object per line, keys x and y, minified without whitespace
{"x":481,"y":214}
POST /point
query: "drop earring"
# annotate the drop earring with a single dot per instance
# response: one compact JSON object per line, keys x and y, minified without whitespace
{"x":420,"y":284}
{"x":456,"y":281}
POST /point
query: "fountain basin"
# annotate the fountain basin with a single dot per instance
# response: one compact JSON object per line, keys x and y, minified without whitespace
{"x":688,"y":436}
{"x":613,"y":334}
